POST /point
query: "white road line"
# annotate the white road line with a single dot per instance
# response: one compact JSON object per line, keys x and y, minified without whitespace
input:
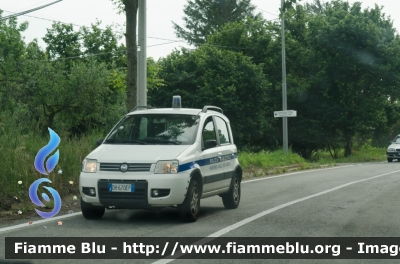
{"x":266,"y":212}
{"x":34,"y":223}
{"x":9,"y":228}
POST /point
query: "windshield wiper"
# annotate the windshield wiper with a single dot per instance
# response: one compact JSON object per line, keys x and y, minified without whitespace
{"x":157,"y":140}
{"x":125,"y":141}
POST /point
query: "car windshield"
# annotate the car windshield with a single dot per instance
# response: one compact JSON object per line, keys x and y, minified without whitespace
{"x":396,"y":140}
{"x":155,"y":129}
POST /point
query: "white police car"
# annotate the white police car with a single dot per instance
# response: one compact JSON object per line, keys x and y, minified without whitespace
{"x":393,"y":151}
{"x":156,"y":158}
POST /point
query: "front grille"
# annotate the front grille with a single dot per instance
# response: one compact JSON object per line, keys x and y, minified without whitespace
{"x":124,"y":200}
{"x":131,"y":166}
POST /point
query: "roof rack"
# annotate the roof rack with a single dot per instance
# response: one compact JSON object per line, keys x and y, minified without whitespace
{"x":142,"y":106}
{"x":205,"y":108}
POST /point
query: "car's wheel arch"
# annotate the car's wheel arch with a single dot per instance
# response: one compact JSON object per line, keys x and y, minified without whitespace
{"x":196,"y":175}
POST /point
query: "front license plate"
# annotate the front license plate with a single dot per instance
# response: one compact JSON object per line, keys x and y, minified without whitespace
{"x":121,"y":187}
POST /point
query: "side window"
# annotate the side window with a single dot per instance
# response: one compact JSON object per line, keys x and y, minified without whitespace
{"x":222,"y":131}
{"x":208,"y":130}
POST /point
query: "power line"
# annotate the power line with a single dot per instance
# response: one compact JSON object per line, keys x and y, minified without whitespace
{"x":30,"y":10}
{"x":31,"y":6}
{"x":172,"y":41}
{"x":103,"y":53}
{"x":51,"y":20}
{"x":267,"y":12}
{"x":120,"y":51}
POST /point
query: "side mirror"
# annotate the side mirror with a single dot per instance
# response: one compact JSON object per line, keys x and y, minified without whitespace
{"x":390,"y":142}
{"x":210,"y":143}
{"x":99,"y":141}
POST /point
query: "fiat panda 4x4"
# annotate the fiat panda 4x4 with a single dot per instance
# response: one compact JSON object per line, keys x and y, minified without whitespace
{"x":156,"y":158}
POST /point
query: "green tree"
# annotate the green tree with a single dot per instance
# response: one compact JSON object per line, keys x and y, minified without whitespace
{"x":153,"y":70}
{"x":62,"y":41}
{"x":211,"y":76}
{"x":104,"y":43}
{"x":355,"y":67}
{"x":75,"y":100}
{"x":204,"y":17}
{"x":260,"y":40}
{"x":12,"y":49}
{"x":130,"y":8}
{"x":341,"y":69}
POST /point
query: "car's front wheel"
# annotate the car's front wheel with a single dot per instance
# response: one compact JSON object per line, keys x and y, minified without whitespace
{"x":389,"y":160}
{"x":189,"y":210}
{"x":231,"y":199}
{"x":91,"y":212}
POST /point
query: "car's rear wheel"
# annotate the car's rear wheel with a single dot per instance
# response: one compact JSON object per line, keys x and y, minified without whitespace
{"x":389,"y":160}
{"x":91,"y":212}
{"x":189,"y":210}
{"x":231,"y":199}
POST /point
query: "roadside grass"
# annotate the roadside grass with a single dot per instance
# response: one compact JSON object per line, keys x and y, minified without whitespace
{"x":274,"y":162}
{"x":265,"y":163}
{"x":18,"y":171}
{"x":364,"y":154}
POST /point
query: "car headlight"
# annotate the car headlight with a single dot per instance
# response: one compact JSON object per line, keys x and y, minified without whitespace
{"x":167,"y":166}
{"x":89,"y":165}
{"x":391,"y":150}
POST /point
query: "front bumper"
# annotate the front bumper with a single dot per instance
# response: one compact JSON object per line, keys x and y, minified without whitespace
{"x":172,"y":188}
{"x":393,"y":155}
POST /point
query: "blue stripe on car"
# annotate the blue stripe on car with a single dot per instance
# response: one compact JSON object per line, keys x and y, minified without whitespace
{"x":204,"y":162}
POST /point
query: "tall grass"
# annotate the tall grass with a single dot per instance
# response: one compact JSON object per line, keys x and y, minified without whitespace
{"x":268,"y":160}
{"x":18,"y":152}
{"x":365,"y":153}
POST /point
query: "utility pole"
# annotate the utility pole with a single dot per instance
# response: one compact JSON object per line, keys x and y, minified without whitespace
{"x":284,"y":101}
{"x":142,"y":56}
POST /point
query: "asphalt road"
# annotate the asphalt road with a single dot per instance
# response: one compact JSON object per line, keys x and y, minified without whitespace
{"x":356,"y":200}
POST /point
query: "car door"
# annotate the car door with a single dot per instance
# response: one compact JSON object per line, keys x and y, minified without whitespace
{"x":226,"y":151}
{"x":211,"y":171}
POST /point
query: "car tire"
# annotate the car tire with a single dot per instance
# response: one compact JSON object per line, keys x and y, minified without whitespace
{"x":91,"y":212}
{"x":189,"y":210}
{"x":231,"y":199}
{"x":389,"y":160}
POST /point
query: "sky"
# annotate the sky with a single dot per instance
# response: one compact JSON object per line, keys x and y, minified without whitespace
{"x":160,"y":14}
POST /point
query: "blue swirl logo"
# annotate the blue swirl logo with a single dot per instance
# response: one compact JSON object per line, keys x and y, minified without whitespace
{"x":45,"y":151}
{"x":35,"y":199}
{"x":50,"y":165}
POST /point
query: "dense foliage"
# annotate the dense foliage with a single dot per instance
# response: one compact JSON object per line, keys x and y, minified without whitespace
{"x":342,"y":75}
{"x":343,"y":68}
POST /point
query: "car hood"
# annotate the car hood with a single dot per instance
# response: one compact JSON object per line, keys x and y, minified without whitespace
{"x":136,"y":153}
{"x":395,"y":146}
